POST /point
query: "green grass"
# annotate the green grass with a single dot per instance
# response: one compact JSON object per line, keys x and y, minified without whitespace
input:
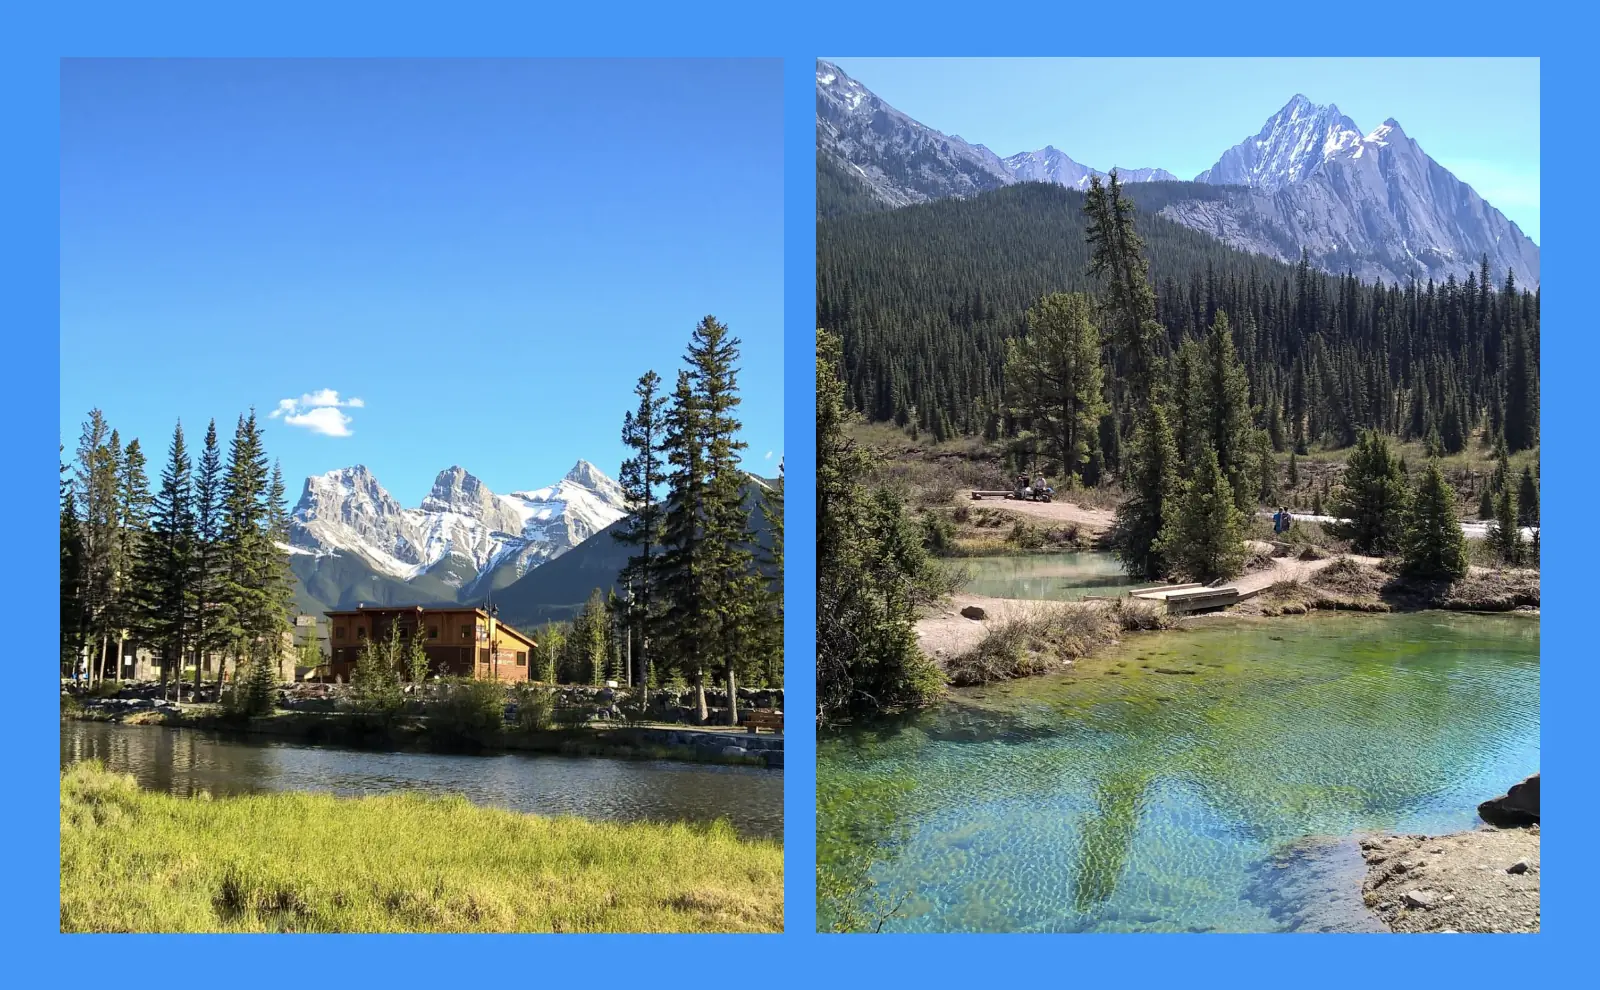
{"x":140,"y":861}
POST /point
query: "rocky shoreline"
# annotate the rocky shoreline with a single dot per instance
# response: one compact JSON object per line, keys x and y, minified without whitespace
{"x":1485,"y":880}
{"x":320,"y":727}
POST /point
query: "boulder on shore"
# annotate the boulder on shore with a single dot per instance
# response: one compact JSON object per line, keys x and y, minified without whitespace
{"x":974,"y":612}
{"x":1517,"y":808}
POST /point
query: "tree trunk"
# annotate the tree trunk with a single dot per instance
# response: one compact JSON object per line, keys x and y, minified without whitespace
{"x":733,"y":697}
{"x":700,"y":696}
{"x":100,"y":661}
{"x":122,"y":639}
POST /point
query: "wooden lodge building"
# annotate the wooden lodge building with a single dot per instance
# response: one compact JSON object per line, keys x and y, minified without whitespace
{"x":461,"y":642}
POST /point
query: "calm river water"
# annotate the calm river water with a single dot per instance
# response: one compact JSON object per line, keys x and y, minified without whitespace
{"x":1170,"y":785}
{"x":184,"y":761}
{"x":1047,"y":576}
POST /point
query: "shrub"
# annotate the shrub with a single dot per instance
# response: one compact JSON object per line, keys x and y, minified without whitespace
{"x":536,"y":707}
{"x":575,"y":714}
{"x":470,"y":713}
{"x":1037,"y":642}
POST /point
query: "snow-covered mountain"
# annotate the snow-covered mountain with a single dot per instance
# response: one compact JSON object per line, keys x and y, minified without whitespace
{"x":461,"y":533}
{"x":1374,"y":203}
{"x":1310,"y":180}
{"x":1292,"y":143}
{"x":901,"y":161}
{"x":1050,"y":164}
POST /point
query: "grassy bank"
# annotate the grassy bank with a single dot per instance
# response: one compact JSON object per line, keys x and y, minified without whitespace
{"x":1049,"y":639}
{"x":138,"y":861}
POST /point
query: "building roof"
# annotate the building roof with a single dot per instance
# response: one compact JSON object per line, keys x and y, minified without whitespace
{"x":499,"y":627}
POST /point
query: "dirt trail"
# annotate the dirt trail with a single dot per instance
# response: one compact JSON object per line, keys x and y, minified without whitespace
{"x":1288,"y":569}
{"x":1060,"y":512}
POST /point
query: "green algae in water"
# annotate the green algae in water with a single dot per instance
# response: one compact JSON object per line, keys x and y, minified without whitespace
{"x":1045,"y":576}
{"x":1149,"y":801}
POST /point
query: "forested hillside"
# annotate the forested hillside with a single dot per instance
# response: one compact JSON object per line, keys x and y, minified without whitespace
{"x":925,"y":297}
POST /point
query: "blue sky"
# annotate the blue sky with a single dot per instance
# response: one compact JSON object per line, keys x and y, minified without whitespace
{"x":474,"y":259}
{"x":1477,"y":117}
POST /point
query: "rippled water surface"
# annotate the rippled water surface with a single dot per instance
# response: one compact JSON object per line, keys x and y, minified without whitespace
{"x":1049,"y":576}
{"x":1170,"y":785}
{"x":183,"y":761}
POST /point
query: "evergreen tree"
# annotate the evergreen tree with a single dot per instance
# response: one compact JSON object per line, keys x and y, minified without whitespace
{"x":1528,"y":498}
{"x":1372,"y":498}
{"x":1053,"y":380}
{"x":1504,"y":537}
{"x":72,"y":603}
{"x":133,"y":523}
{"x":96,"y":490}
{"x":769,"y":639}
{"x":275,"y":560}
{"x":1117,"y":260}
{"x":1222,"y":409}
{"x":1266,"y":468}
{"x":641,"y":478}
{"x":1203,"y":537}
{"x":211,"y":631}
{"x":246,"y":611}
{"x":1434,"y":545}
{"x":1294,"y":471}
{"x":1522,"y":389}
{"x":728,"y":533}
{"x":1152,"y":479}
{"x":165,"y":570}
{"x":867,"y":656}
{"x":684,"y":571}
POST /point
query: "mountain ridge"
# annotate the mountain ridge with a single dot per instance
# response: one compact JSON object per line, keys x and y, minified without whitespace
{"x":1310,"y":180}
{"x":463,"y":535}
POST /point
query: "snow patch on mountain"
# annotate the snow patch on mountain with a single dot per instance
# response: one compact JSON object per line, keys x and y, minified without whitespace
{"x":460,"y":522}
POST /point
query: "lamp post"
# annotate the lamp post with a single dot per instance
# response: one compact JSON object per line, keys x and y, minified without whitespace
{"x":494,"y":665}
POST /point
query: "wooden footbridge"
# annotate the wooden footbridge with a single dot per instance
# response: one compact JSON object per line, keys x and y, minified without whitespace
{"x":1183,"y":599}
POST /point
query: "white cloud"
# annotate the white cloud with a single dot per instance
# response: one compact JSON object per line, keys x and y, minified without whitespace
{"x":318,"y":412}
{"x":768,"y":456}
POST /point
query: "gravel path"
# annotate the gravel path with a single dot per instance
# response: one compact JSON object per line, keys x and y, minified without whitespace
{"x":1062,"y":512}
{"x":1481,"y":881}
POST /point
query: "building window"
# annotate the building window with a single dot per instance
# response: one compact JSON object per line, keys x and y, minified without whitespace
{"x":483,"y":657}
{"x":433,"y":632}
{"x":466,"y":632}
{"x":522,"y":658}
{"x":361,"y":633}
{"x":338,"y":632}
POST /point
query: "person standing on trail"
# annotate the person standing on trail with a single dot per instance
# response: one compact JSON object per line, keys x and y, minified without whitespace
{"x":1288,"y":520}
{"x":1277,"y":522}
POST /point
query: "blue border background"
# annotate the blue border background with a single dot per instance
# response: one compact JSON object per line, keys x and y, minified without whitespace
{"x":28,"y":225}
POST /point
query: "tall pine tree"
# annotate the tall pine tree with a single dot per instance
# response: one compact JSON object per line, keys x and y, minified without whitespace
{"x":641,"y":478}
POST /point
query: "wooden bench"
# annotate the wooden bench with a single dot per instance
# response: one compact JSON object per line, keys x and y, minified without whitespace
{"x":756,"y":720}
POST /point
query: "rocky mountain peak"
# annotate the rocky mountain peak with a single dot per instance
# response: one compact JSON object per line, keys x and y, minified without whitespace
{"x":586,"y":474}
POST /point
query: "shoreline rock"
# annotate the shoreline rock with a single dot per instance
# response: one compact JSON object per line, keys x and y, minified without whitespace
{"x":1516,"y":808}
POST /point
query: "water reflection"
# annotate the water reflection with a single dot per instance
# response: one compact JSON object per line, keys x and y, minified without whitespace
{"x":184,"y":761}
{"x":1045,"y":576}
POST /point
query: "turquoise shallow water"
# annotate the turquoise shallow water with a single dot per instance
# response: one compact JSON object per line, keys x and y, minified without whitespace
{"x":1044,"y":576}
{"x":1164,"y":786}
